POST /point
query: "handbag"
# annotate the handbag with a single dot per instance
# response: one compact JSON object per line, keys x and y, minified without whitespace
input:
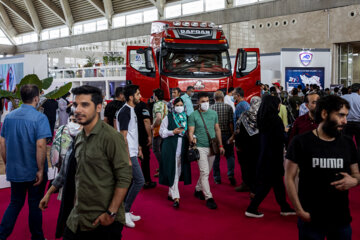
{"x":214,"y":145}
{"x":193,"y":154}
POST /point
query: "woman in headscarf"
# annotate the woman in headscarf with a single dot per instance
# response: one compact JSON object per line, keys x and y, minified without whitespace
{"x":270,"y":168}
{"x":247,"y":143}
{"x":173,"y":164}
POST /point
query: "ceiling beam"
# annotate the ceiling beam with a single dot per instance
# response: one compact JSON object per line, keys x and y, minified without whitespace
{"x":7,"y":32}
{"x":7,"y":21}
{"x":67,"y":13}
{"x":109,"y":11}
{"x":98,"y":5}
{"x":33,"y":15}
{"x":54,"y":9}
{"x":160,"y":5}
{"x":18,"y":12}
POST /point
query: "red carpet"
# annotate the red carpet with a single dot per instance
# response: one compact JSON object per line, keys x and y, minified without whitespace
{"x":193,"y":220}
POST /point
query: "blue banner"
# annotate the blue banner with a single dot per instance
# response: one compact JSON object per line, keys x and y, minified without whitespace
{"x":302,"y":76}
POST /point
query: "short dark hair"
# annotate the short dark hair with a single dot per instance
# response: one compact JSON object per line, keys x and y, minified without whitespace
{"x":331,"y":103}
{"x":130,"y":90}
{"x":355,"y":87}
{"x":231,"y":89}
{"x":306,"y":99}
{"x":299,"y":87}
{"x":190,"y":88}
{"x":28,"y":92}
{"x":240,"y":91}
{"x":294,"y":91}
{"x":272,"y":90}
{"x":159,"y":93}
{"x":119,"y":91}
{"x":177,"y":89}
{"x":96,"y":95}
{"x":336,"y":89}
{"x":202,"y":94}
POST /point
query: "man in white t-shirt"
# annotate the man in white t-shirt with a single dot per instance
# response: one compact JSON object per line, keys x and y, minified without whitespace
{"x":229,"y":98}
{"x":128,"y":126}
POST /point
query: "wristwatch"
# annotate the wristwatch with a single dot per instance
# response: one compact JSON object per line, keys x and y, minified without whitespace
{"x":111,"y":214}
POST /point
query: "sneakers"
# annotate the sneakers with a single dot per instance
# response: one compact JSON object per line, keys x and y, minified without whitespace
{"x":232,"y":180}
{"x":128,"y":222}
{"x":210,"y":203}
{"x":254,"y":214}
{"x":242,"y":188}
{"x":134,"y":218}
{"x":149,"y":185}
{"x":199,"y":195}
{"x":287,"y":212}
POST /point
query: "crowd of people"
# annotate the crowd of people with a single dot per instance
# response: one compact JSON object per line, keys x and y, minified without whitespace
{"x":316,"y":130}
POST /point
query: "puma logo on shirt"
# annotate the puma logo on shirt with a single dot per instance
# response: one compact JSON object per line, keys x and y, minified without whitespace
{"x":328,"y":163}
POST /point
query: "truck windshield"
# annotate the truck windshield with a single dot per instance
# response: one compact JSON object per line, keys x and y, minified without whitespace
{"x":180,"y":62}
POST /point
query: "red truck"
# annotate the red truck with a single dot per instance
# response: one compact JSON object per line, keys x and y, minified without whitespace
{"x":184,"y":53}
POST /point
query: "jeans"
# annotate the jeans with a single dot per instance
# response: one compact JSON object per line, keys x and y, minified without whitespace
{"x":145,"y":163}
{"x":18,"y":196}
{"x":205,"y":165}
{"x":111,"y":232}
{"x":157,"y":147}
{"x":229,"y":154}
{"x":264,"y":188}
{"x":136,"y":185}
{"x":308,"y":231}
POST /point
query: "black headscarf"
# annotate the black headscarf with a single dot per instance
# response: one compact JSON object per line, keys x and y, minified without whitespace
{"x":268,"y":113}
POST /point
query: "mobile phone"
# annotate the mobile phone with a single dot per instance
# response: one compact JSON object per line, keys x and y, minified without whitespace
{"x":338,"y":176}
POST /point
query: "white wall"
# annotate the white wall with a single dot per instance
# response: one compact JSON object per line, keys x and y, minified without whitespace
{"x":36,"y":64}
{"x":270,"y":68}
{"x":321,"y":58}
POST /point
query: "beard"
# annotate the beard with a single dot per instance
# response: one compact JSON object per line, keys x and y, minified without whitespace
{"x":330,"y":128}
{"x":87,"y":121}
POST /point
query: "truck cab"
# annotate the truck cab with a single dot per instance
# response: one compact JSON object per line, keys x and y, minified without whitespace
{"x":191,"y":53}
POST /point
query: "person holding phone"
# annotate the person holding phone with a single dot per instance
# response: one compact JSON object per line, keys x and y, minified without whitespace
{"x":328,"y":164}
{"x":173,"y":162}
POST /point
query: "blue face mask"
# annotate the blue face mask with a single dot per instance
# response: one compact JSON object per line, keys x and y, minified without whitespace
{"x":232,"y":99}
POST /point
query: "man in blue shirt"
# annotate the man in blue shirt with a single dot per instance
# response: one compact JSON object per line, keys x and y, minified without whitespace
{"x":352,"y":128}
{"x":242,"y":105}
{"x":187,"y":100}
{"x":23,"y":149}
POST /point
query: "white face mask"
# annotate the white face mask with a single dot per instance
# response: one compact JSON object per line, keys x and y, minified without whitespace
{"x":205,"y":106}
{"x":74,"y":128}
{"x":191,"y":94}
{"x":179,"y":109}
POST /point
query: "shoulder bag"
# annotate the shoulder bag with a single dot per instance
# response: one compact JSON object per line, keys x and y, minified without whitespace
{"x":214,"y":145}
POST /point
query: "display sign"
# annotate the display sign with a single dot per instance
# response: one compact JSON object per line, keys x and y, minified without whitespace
{"x":302,"y":76}
{"x":305,"y":58}
{"x":195,"y":33}
{"x":12,"y":74}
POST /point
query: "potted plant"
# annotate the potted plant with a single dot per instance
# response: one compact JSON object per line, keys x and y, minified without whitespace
{"x":105,"y":60}
{"x":15,"y":98}
{"x":120,"y":60}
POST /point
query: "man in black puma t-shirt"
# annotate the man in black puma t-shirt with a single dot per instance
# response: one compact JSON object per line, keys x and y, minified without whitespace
{"x":328,"y":168}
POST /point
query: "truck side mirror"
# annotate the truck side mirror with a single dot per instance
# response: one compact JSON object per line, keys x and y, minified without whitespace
{"x":149,"y":61}
{"x":243,"y":60}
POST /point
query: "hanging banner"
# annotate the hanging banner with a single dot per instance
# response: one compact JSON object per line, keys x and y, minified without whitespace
{"x":302,"y":76}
